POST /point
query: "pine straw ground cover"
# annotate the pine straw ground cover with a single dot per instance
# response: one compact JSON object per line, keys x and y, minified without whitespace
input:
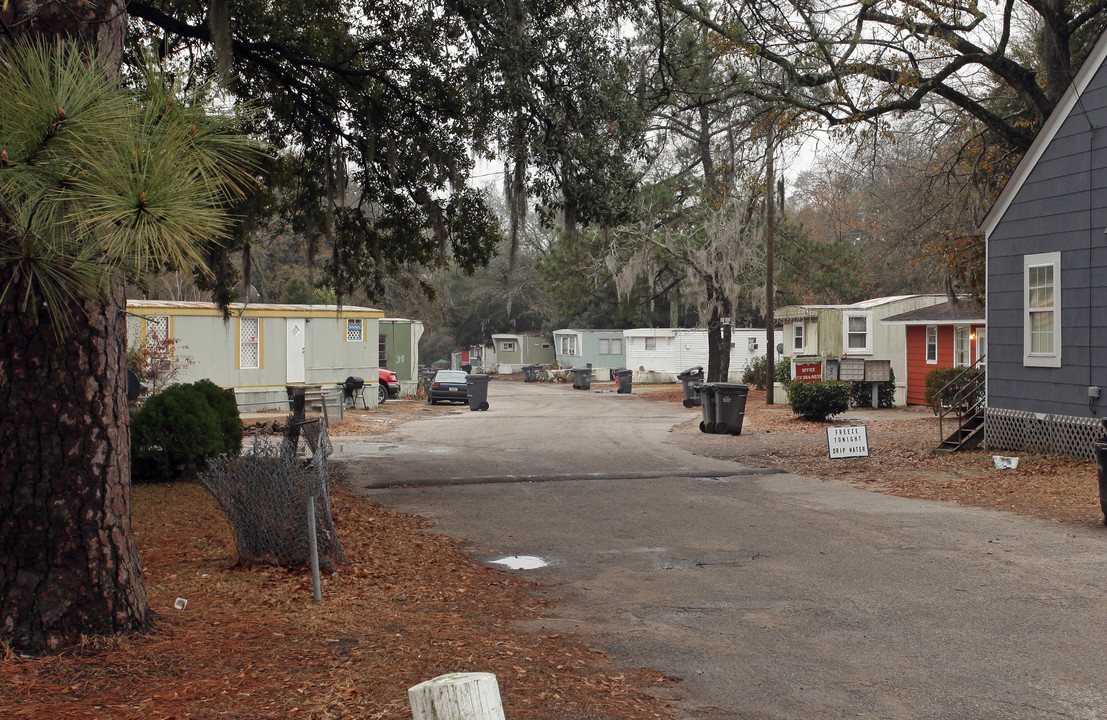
{"x":251,"y":644}
{"x":412,"y":604}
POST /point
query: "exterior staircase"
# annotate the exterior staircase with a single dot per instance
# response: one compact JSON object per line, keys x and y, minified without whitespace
{"x":963,"y":410}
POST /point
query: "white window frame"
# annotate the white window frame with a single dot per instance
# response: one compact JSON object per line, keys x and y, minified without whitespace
{"x":154,"y":323}
{"x":507,"y":346}
{"x":752,"y":344}
{"x":931,"y":344}
{"x":355,"y":330}
{"x":799,"y":337}
{"x":247,"y":339}
{"x":568,"y":344}
{"x":867,"y":349}
{"x":651,"y":343}
{"x":1052,"y":357}
{"x":981,"y":346}
{"x":962,"y":346}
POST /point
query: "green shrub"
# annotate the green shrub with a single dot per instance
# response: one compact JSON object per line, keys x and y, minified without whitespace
{"x":938,"y":379}
{"x":179,"y":429}
{"x":756,"y":372}
{"x":819,"y":400}
{"x":783,"y":372}
{"x":862,"y":393}
{"x":222,"y":402}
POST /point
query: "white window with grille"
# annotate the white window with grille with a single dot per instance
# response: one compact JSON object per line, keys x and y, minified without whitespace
{"x":797,"y":337}
{"x":157,"y":329}
{"x":931,"y":344}
{"x":569,"y":344}
{"x":507,"y":346}
{"x":858,"y":332}
{"x":355,"y":330}
{"x":1042,"y":310}
{"x":249,"y":343}
{"x":961,"y":346}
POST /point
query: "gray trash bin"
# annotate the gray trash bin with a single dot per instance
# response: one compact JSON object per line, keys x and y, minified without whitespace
{"x":477,"y":386}
{"x":730,"y":407}
{"x":530,"y":373}
{"x":623,"y":378}
{"x":706,"y":393}
{"x":690,"y":378}
{"x":582,"y":378}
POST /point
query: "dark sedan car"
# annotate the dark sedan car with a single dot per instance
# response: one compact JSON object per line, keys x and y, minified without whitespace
{"x":448,"y":385}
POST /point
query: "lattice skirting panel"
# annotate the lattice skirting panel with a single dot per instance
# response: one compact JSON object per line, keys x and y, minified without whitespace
{"x":1039,"y":433}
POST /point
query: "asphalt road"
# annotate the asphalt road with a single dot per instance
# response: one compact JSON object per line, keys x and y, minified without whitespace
{"x":772,"y":595}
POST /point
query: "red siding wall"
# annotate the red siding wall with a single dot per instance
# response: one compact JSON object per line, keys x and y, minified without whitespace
{"x":917,"y":367}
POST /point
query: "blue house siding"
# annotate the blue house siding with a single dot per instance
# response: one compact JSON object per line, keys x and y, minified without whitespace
{"x":588,"y":349}
{"x":1058,"y":206}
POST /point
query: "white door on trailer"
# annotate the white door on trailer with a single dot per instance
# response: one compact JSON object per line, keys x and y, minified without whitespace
{"x":294,"y":347}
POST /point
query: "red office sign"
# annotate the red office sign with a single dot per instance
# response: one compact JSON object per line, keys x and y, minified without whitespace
{"x":808,"y":371}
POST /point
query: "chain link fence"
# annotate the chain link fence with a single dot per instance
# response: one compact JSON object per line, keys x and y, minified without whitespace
{"x":265,"y":493}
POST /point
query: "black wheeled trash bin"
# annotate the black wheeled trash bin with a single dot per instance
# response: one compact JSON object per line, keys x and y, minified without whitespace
{"x":730,"y":407}
{"x":623,"y":378}
{"x":530,"y":373}
{"x":706,"y":393}
{"x":1101,"y":470}
{"x":477,"y":386}
{"x":690,"y":378}
{"x":582,"y":378}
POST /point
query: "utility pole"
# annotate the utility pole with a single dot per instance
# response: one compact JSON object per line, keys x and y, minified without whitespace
{"x":770,"y":221}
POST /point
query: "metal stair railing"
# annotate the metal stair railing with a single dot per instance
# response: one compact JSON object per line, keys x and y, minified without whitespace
{"x":966,"y":403}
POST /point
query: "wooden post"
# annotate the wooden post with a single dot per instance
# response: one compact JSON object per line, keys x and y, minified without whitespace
{"x":457,"y":696}
{"x":770,"y":290}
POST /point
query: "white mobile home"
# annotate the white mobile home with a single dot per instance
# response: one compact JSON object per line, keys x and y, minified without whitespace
{"x":659,"y":354}
{"x":259,"y":349}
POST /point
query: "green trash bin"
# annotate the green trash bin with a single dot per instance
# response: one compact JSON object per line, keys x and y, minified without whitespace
{"x":706,"y":393}
{"x":582,"y":378}
{"x":690,"y":378}
{"x":624,"y":378}
{"x":477,"y":387}
{"x":730,"y":407}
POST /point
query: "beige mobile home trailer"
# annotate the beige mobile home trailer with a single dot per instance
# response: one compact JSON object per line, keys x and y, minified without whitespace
{"x":259,"y":349}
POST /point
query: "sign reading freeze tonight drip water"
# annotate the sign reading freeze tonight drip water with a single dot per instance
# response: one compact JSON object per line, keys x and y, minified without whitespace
{"x":848,"y":441}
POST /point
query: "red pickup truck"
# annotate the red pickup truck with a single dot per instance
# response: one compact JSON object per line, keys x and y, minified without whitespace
{"x":388,"y":385}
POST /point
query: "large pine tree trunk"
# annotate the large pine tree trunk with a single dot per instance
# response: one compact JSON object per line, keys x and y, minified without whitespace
{"x":68,"y":562}
{"x":100,"y":23}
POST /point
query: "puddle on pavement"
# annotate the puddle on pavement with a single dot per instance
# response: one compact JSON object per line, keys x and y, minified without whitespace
{"x":521,"y":562}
